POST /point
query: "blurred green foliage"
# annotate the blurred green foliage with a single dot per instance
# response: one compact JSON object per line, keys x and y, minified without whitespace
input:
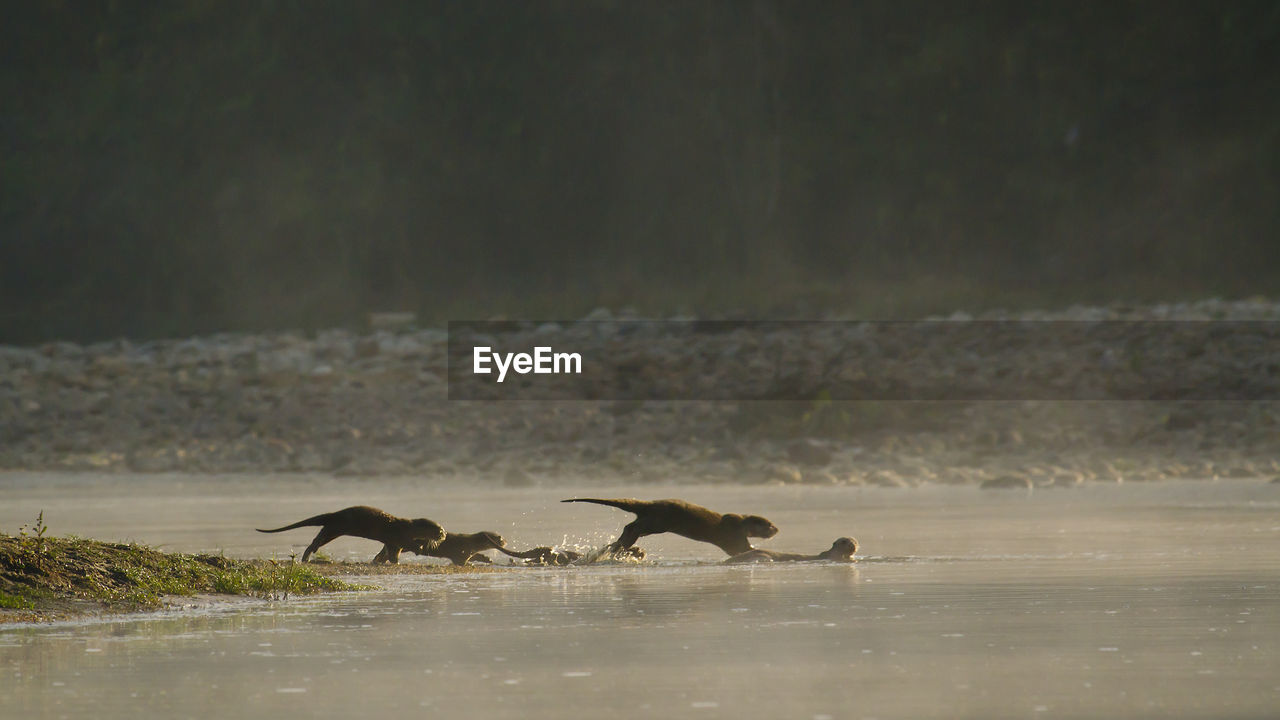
{"x":191,"y":165}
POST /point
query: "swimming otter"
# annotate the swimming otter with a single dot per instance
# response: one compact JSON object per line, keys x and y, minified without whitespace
{"x":842,"y":550}
{"x":370,"y":523}
{"x":544,"y":556}
{"x":551,"y":556}
{"x":727,"y":532}
{"x":460,"y":548}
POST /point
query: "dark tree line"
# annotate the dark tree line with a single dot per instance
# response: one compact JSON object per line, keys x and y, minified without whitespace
{"x":195,"y":165}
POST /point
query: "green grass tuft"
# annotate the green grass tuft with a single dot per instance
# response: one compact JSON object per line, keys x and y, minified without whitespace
{"x":39,"y":572}
{"x":16,"y":602}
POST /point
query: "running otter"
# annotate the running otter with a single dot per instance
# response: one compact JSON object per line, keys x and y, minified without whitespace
{"x":727,"y":532}
{"x":363,"y":521}
{"x":842,"y":550}
{"x":459,"y":548}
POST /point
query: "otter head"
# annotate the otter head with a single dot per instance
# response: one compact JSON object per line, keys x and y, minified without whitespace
{"x":756,"y":526}
{"x":844,"y":547}
{"x":494,"y":539}
{"x":428,"y":532}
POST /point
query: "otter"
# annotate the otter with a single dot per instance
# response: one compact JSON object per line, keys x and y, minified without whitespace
{"x":726,"y":531}
{"x":544,"y":556}
{"x":551,"y":556}
{"x":370,"y":523}
{"x":460,"y":548}
{"x":464,"y":548}
{"x":842,"y":550}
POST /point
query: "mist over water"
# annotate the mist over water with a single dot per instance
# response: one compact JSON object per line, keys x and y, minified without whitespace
{"x":1153,"y":600}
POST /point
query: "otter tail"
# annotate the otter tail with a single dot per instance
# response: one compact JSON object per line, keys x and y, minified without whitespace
{"x":525,"y":555}
{"x":543,"y":553}
{"x":311,"y":521}
{"x":628,"y":504}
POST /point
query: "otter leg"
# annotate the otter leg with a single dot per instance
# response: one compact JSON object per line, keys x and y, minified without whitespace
{"x":324,"y":537}
{"x":383,"y":555}
{"x":630,"y":534}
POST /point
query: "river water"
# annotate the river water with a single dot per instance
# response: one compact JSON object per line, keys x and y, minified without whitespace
{"x":1147,"y":600}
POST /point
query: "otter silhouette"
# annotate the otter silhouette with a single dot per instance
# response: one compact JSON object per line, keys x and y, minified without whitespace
{"x":842,"y":550}
{"x":728,"y":532}
{"x":461,"y":548}
{"x":370,"y":523}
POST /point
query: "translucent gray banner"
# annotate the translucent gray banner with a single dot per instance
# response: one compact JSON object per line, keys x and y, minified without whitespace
{"x":884,"y":361}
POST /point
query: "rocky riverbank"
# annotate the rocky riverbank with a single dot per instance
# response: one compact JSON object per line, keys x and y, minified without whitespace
{"x":377,"y":404}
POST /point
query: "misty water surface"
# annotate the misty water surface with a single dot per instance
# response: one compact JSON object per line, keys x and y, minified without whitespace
{"x":1160,"y":600}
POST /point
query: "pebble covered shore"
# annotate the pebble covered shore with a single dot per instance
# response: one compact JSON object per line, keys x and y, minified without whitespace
{"x":376,"y":404}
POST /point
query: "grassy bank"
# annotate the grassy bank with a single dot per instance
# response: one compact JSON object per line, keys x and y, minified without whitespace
{"x":46,"y":577}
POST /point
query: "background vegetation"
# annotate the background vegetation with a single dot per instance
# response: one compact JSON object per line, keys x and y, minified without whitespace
{"x":197,"y":165}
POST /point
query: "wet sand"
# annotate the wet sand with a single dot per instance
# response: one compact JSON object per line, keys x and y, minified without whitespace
{"x":1153,"y":600}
